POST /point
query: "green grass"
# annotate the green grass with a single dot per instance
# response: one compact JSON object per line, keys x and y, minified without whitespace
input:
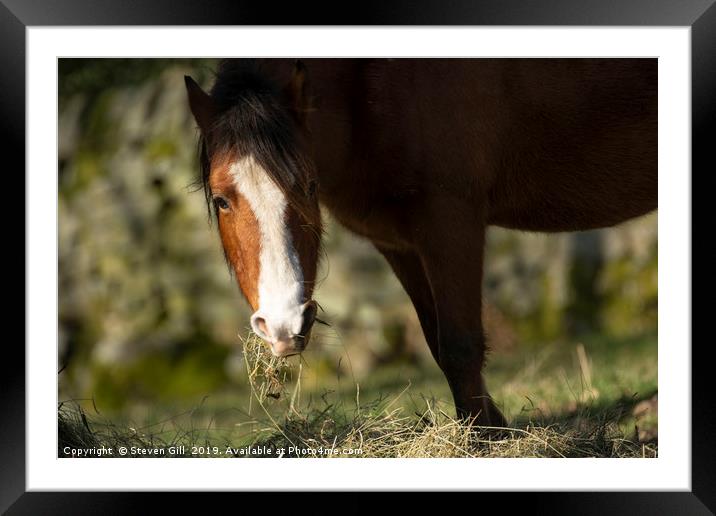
{"x":594,"y":398}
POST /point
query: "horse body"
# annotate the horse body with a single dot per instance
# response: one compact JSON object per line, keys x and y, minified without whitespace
{"x":421,"y":155}
{"x":547,"y":144}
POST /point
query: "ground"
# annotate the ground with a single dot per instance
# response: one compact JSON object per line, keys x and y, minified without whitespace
{"x":593,"y":398}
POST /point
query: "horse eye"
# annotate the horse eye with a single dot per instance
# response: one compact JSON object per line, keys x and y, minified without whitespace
{"x":221,"y":203}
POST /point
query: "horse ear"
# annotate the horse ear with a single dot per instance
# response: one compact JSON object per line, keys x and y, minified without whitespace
{"x":202,"y":107}
{"x":297,"y":92}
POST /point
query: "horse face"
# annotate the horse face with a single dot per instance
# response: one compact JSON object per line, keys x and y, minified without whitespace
{"x":272,"y":250}
{"x":269,"y":222}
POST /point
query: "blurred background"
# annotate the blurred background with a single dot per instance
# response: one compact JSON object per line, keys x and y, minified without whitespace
{"x":149,"y":316}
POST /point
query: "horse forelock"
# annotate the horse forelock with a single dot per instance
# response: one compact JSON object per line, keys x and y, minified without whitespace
{"x":251,"y":122}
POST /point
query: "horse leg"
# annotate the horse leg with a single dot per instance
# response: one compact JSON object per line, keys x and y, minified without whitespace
{"x":409,"y":270}
{"x":450,"y":243}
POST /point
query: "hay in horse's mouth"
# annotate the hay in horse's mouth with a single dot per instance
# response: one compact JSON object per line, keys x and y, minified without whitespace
{"x":266,"y":372}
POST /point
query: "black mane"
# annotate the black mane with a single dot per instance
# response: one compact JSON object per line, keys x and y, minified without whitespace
{"x":253,"y":120}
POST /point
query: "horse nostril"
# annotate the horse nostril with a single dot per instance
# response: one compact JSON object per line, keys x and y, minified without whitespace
{"x":309,"y":316}
{"x":260,"y":327}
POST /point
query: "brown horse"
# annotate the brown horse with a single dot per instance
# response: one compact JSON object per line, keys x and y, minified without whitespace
{"x":419,"y":156}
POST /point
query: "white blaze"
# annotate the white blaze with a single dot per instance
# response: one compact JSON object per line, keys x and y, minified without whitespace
{"x":280,"y":285}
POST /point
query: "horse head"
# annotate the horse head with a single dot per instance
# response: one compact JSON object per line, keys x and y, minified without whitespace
{"x":259,"y":181}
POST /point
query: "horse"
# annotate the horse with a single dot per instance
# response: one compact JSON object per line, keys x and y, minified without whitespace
{"x":419,"y":156}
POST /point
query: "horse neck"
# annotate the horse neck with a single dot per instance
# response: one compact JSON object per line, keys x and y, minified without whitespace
{"x":333,"y":85}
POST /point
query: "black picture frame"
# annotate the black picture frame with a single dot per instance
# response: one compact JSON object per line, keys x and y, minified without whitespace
{"x":700,"y":15}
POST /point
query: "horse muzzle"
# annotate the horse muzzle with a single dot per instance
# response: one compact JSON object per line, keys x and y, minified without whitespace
{"x":289,"y":336}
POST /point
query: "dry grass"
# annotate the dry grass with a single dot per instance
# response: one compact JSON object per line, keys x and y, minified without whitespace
{"x":381,"y":428}
{"x":78,"y":431}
